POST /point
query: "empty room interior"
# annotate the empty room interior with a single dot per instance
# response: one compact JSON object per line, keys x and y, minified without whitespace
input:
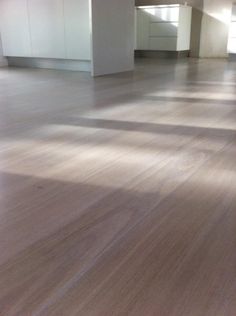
{"x":117,"y":158}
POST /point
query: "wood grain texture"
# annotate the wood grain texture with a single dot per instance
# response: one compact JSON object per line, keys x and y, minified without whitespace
{"x":118,"y":193}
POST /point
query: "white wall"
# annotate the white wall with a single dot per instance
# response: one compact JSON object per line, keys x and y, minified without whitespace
{"x":112,"y":36}
{"x":215,"y":28}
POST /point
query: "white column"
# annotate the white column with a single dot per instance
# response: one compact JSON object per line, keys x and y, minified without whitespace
{"x":112,"y":36}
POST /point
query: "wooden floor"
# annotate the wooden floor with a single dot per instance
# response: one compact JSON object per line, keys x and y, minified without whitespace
{"x":118,"y":195}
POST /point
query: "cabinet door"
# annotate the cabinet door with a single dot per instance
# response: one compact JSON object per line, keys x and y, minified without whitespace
{"x":164,"y":29}
{"x":163,"y":43}
{"x":47,"y":28}
{"x":164,"y":14}
{"x":184,"y":30}
{"x":142,"y":29}
{"x":15,"y":28}
{"x":233,"y":19}
{"x":77,"y":29}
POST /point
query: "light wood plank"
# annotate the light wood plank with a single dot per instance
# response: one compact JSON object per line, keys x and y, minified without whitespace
{"x":118,"y":193}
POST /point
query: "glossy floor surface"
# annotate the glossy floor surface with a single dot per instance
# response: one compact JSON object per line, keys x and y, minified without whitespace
{"x":118,"y":194}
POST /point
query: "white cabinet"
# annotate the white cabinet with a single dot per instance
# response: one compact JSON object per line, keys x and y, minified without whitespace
{"x":163,"y":13}
{"x":89,"y":35}
{"x":14,"y":24}
{"x":163,"y":28}
{"x":47,"y":28}
{"x":58,"y":29}
{"x":77,"y":29}
{"x":163,"y":43}
{"x":232,"y":33}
